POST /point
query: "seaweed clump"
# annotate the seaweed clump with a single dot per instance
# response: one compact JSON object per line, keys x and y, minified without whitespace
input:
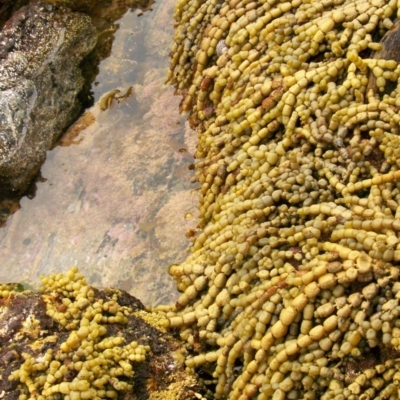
{"x":72,"y":341}
{"x":291,"y":290}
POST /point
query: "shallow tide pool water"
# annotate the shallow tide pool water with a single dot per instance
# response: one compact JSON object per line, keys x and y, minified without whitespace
{"x":116,"y":200}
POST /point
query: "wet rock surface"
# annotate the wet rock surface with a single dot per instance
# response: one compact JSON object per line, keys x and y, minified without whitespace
{"x":40,"y":51}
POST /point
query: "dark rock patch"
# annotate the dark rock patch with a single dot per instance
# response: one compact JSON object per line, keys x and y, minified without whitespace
{"x":40,"y":51}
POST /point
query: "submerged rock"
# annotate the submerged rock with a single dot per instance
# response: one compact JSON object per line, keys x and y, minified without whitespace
{"x":41,"y":48}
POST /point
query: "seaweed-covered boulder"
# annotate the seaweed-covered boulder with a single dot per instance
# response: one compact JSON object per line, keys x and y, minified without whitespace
{"x":41,"y":48}
{"x":73,"y":341}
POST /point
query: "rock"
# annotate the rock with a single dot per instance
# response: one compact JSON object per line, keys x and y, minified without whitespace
{"x":389,"y":51}
{"x":41,"y":48}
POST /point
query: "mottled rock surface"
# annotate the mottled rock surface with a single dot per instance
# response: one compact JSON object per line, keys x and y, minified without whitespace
{"x":40,"y":51}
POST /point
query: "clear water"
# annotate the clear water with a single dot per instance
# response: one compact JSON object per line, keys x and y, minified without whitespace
{"x":115,"y":203}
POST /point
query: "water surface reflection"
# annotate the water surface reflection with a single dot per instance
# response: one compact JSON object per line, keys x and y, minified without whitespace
{"x":115,"y":203}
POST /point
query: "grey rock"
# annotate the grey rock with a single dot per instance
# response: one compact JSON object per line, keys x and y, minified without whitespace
{"x":41,"y":48}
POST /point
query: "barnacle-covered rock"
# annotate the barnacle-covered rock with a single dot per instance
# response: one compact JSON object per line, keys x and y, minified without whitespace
{"x":41,"y":48}
{"x":291,"y":290}
{"x":73,"y":341}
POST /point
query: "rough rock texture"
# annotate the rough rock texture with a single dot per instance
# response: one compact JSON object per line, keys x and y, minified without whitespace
{"x":40,"y":51}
